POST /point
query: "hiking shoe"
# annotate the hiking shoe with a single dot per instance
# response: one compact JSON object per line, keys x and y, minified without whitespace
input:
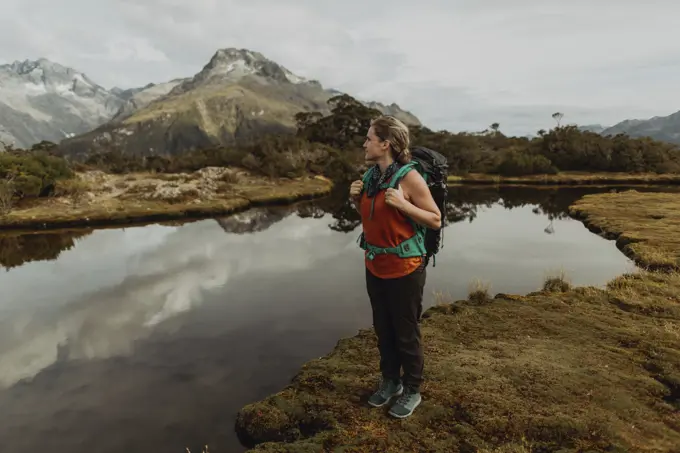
{"x":406,"y":404}
{"x":385,"y":392}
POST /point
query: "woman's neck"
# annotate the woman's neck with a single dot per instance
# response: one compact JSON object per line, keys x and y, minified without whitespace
{"x":384,"y":163}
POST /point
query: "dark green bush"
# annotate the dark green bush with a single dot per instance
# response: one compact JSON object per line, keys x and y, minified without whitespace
{"x":516,"y":163}
{"x":34,"y":173}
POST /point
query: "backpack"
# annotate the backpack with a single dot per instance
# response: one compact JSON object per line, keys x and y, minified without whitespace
{"x":433,"y":167}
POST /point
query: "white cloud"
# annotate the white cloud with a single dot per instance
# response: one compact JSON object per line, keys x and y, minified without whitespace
{"x":457,"y":65}
{"x":128,"y":49}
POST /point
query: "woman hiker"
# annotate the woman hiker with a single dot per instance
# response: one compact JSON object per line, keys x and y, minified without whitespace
{"x":394,"y":284}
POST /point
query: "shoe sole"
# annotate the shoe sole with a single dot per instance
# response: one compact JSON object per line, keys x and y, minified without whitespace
{"x":406,"y":415}
{"x":399,"y":393}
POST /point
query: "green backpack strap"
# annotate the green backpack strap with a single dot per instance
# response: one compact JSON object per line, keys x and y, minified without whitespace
{"x":367,"y":177}
{"x":394,"y":182}
{"x":397,"y":177}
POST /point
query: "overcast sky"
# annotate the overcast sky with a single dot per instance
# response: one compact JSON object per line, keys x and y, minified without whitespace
{"x":458,"y":65}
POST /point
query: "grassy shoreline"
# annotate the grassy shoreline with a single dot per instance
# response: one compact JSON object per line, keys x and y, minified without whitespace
{"x":562,"y":369}
{"x":569,"y":178}
{"x":227,"y":196}
{"x":111,"y":200}
{"x":654,"y":240}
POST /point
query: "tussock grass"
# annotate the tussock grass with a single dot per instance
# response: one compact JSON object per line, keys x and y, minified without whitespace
{"x":556,"y":282}
{"x":479,"y":291}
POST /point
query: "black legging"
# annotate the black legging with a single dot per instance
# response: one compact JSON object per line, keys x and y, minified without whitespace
{"x":397,"y":304}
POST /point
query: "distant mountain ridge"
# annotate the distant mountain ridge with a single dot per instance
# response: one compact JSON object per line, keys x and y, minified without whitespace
{"x":238,"y":94}
{"x":138,"y":98}
{"x":43,"y":100}
{"x":664,"y":128}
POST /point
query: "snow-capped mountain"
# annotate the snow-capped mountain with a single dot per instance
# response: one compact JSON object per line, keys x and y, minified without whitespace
{"x":43,"y":100}
{"x":238,"y":94}
{"x":232,"y":65}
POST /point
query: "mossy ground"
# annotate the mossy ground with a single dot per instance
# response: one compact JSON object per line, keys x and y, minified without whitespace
{"x":560,"y":370}
{"x":646,"y":226}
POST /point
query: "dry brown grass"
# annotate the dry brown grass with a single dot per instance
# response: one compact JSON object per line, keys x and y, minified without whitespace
{"x":101,"y":199}
{"x":479,"y":291}
{"x":568,"y":370}
{"x":76,"y":190}
{"x":556,"y":282}
{"x":231,"y":177}
{"x":569,"y":178}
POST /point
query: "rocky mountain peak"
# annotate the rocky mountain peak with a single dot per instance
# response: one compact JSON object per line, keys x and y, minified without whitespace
{"x":43,"y":100}
{"x":232,"y":54}
{"x":232,"y":64}
{"x":41,"y":64}
{"x":23,"y":67}
{"x":37,"y":68}
{"x":47,"y":76}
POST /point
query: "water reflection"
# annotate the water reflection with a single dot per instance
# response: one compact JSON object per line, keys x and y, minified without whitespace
{"x":254,"y":220}
{"x":463,"y":205}
{"x":17,"y":249}
{"x":151,"y":338}
{"x":103,"y":314}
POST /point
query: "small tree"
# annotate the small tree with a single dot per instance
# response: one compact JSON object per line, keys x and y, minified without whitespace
{"x":557,"y":116}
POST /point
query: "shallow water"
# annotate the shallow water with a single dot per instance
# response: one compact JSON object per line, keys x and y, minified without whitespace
{"x":151,"y":338}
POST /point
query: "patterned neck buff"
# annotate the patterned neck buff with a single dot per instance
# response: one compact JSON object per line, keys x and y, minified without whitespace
{"x":378,"y":178}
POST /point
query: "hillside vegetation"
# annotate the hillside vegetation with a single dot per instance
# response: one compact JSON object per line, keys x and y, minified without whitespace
{"x":331,"y":145}
{"x":564,"y":148}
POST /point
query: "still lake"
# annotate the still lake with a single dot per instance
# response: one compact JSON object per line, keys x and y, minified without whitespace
{"x":151,"y":338}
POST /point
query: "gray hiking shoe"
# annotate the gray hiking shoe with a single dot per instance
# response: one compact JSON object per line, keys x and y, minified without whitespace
{"x":406,"y":404}
{"x":385,"y":392}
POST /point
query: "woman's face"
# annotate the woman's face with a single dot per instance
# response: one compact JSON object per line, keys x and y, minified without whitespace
{"x":375,"y":147}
